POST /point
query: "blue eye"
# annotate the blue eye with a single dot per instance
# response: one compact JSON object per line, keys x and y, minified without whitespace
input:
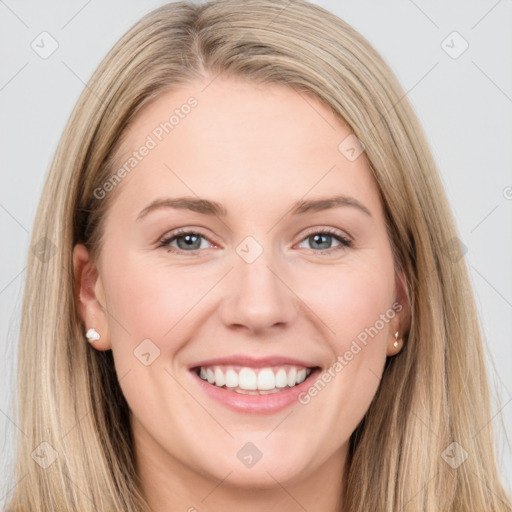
{"x":323,"y":241}
{"x":190,"y":241}
{"x":187,"y":241}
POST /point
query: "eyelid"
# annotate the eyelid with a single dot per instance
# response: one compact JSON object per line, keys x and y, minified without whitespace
{"x":170,"y":235}
{"x":345,"y":241}
{"x":344,"y":238}
{"x":329,"y":230}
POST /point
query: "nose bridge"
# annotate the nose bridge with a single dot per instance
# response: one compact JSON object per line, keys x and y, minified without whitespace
{"x":258,"y":297}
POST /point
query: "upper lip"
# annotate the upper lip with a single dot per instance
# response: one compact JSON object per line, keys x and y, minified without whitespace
{"x":253,"y":362}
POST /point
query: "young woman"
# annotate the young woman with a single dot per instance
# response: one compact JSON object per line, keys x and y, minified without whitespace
{"x":252,"y":297}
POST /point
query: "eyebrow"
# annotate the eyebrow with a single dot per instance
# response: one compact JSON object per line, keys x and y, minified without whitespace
{"x":208,"y":207}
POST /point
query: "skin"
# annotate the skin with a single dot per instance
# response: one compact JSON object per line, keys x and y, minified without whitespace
{"x":256,"y":150}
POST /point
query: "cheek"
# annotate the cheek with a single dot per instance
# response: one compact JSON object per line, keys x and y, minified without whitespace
{"x":151,"y":307}
{"x":355,"y":303}
{"x":351,"y":301}
{"x":150,"y":299}
{"x":362,"y":303}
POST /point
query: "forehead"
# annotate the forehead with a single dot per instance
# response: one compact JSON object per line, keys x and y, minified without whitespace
{"x":231,"y":138}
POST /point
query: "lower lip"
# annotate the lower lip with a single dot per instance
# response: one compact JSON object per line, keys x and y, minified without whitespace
{"x":257,"y":404}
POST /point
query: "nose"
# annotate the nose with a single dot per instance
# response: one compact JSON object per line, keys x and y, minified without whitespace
{"x":258,"y":297}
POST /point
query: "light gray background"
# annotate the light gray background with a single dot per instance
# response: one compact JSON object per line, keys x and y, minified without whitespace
{"x":464,"y":105}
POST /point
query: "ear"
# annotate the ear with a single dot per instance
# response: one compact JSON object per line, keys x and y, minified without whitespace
{"x":90,"y":296}
{"x":402,"y":320}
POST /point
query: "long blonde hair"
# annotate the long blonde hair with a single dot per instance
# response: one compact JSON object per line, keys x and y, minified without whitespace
{"x":435,"y":392}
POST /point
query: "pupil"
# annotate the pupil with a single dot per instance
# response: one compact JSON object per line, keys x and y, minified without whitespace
{"x":317,"y":237}
{"x":189,"y":242}
{"x":320,"y":239}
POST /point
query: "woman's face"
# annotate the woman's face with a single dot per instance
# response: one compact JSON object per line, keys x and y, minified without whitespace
{"x":270,"y":279}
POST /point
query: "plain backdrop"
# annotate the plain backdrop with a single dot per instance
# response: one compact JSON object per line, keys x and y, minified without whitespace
{"x":460,"y":85}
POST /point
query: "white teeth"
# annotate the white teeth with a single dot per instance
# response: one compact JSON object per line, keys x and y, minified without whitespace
{"x":266,"y":379}
{"x":292,"y":374}
{"x":257,"y":392}
{"x":254,"y":380}
{"x":219,"y":377}
{"x":247,"y":379}
{"x":281,"y":378}
{"x":231,"y":379}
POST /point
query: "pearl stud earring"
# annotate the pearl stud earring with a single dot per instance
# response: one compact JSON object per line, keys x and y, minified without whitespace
{"x":395,"y":344}
{"x":92,"y":335}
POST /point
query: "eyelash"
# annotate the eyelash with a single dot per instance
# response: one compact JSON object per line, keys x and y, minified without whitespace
{"x":345,"y":243}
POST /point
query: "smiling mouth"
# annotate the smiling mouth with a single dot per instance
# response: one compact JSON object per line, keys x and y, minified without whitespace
{"x":254,"y":381}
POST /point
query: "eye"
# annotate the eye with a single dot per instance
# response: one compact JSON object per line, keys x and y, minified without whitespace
{"x":182,"y":240}
{"x":322,"y":240}
{"x":186,"y":241}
